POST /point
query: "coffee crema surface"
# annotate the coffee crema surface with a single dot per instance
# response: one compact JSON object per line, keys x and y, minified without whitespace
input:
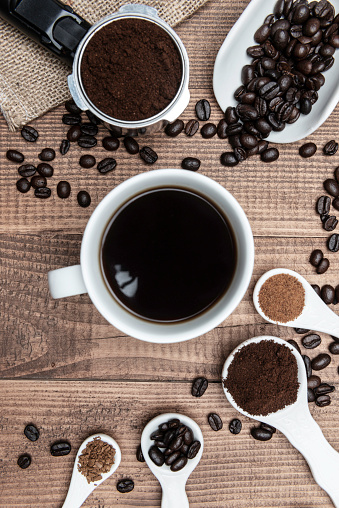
{"x":168,"y":254}
{"x":131,"y":69}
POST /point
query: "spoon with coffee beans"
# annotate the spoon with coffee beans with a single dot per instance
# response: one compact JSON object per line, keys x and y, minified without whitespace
{"x":172,"y":445}
{"x":282,"y":296}
{"x":105,"y":452}
{"x":291,"y":413}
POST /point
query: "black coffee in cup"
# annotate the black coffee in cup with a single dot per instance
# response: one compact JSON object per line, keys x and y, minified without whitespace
{"x":168,"y":254}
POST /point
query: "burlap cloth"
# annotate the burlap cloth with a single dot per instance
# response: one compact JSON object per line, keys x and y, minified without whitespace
{"x":33,"y":81}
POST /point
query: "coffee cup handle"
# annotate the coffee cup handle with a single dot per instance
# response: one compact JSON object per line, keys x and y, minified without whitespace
{"x":66,"y":282}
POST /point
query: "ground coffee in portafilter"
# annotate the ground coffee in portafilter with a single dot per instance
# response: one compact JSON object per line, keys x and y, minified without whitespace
{"x":131,"y":69}
{"x":263,"y":377}
{"x":168,"y":254}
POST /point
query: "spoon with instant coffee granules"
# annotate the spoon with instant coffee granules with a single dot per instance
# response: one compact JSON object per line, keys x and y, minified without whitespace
{"x":284,"y":297}
{"x":97,"y":459}
{"x":287,"y":402}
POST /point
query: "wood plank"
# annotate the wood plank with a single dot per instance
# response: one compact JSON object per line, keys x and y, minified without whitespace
{"x":235,"y":471}
{"x":68,"y":338}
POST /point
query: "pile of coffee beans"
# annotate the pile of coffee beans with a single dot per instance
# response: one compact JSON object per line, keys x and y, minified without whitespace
{"x":174,"y":445}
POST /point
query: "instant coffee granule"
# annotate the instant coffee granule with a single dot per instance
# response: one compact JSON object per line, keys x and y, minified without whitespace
{"x":97,"y":458}
{"x":282,"y":298}
{"x":263,"y":377}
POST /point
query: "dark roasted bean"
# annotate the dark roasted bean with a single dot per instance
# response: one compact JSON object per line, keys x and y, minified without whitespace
{"x":74,"y":133}
{"x":324,"y":388}
{"x":208,"y":130}
{"x":269,"y":155}
{"x":157,"y":435}
{"x":188,"y":436}
{"x":106,"y":165}
{"x":330,"y":223}
{"x":265,"y":426}
{"x":215,"y":421}
{"x":84,"y":199}
{"x":308,"y":366}
{"x":45,"y":169}
{"x":23,"y":185}
{"x":316,"y":289}
{"x":228,"y":159}
{"x":63,"y":189}
{"x":71,"y":119}
{"x":334,"y":348}
{"x":330,"y":148}
{"x":193,"y":449}
{"x":125,"y":485}
{"x":31,"y":432}
{"x":332,"y":187}
{"x":262,"y":146}
{"x":27,"y":170}
{"x":311,"y":341}
{"x":156,"y":456}
{"x":131,"y":145}
{"x":316,"y":257}
{"x":335,"y":203}
{"x":61,"y":448}
{"x":15,"y":156}
{"x":327,"y":294}
{"x":321,"y":361}
{"x":148,"y":155}
{"x":24,"y":461}
{"x":190,"y":163}
{"x":261,"y":434}
{"x":235,"y":426}
{"x":64,"y":146}
{"x":221,"y":129}
{"x":172,"y":457}
{"x":87,"y":141}
{"x":323,"y":266}
{"x":234,"y":129}
{"x":179,"y":464}
{"x":239,"y":92}
{"x":38,"y":182}
{"x":203,"y":110}
{"x":87,"y":161}
{"x":139,"y":455}
{"x":310,"y":395}
{"x":231,"y":115}
{"x":47,"y":154}
{"x":241,"y":153}
{"x":175,"y":128}
{"x":111,"y":144}
{"x":247,"y":112}
{"x":248,"y":141}
{"x":307,"y":150}
{"x":323,"y":400}
{"x":43,"y":192}
{"x":94,"y":119}
{"x":323,"y":205}
{"x":89,"y":129}
{"x":199,"y":386}
{"x":300,"y":331}
{"x":29,"y":133}
{"x":313,"y":382}
{"x":262,"y":34}
{"x":191,"y":127}
{"x":72,"y":107}
{"x":294,"y":344}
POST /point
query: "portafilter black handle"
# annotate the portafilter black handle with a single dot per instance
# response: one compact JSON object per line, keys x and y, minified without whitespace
{"x":51,"y":23}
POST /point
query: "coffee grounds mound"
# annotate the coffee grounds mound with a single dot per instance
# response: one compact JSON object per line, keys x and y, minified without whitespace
{"x":282,"y":298}
{"x":263,"y":378}
{"x":131,"y":69}
{"x":97,"y":458}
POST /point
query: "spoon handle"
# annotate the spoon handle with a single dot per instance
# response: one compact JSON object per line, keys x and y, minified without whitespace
{"x":174,"y":493}
{"x":306,"y":436}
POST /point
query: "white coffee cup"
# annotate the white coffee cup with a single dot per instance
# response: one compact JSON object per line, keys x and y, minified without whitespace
{"x":88,"y":278}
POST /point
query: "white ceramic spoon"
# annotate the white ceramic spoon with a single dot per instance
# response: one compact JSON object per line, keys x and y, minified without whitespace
{"x":172,"y":483}
{"x":296,"y":422}
{"x":316,"y":315}
{"x":232,"y":57}
{"x":79,"y":488}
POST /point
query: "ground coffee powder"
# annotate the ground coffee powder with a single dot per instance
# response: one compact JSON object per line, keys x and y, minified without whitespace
{"x":131,"y":69}
{"x":263,"y":377}
{"x":97,"y":458}
{"x":282,"y":298}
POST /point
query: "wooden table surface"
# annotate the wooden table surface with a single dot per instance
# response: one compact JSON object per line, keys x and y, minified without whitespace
{"x":64,"y":368}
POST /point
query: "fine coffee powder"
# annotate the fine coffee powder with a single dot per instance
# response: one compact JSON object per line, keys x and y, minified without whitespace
{"x":131,"y":69}
{"x":282,"y":298}
{"x":263,"y":377}
{"x":168,"y":254}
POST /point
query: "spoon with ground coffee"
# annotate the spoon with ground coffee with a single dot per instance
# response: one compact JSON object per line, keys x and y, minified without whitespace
{"x":284,"y":297}
{"x":97,"y":459}
{"x":278,"y":395}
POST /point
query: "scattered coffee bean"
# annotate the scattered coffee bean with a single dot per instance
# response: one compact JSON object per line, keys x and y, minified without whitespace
{"x":45,"y":169}
{"x":313,"y":382}
{"x":307,"y":150}
{"x":308,"y":365}
{"x":323,"y":266}
{"x":27,"y":170}
{"x":110,"y":143}
{"x":333,"y":243}
{"x":323,"y":205}
{"x":310,"y":395}
{"x":87,"y":141}
{"x":269,"y":155}
{"x":311,"y":341}
{"x":334,"y":348}
{"x":89,"y":129}
{"x":60,"y":448}
{"x":94,"y":119}
{"x":106,"y":165}
{"x":74,"y":133}
{"x":29,"y":133}
{"x":323,"y":389}
{"x":323,"y":400}
{"x":294,"y":344}
{"x":15,"y":156}
{"x":156,"y":456}
{"x":125,"y":486}
{"x":199,"y":386}
{"x":139,"y":454}
{"x":316,"y":257}
{"x":228,"y":159}
{"x":335,"y":203}
{"x":31,"y":432}
{"x":43,"y":192}
{"x":265,"y":426}
{"x":192,"y":127}
{"x":47,"y":154}
{"x":148,"y":155}
{"x":38,"y":182}
{"x":300,"y":331}
{"x":321,"y":361}
{"x":215,"y":421}
{"x":330,"y":148}
{"x":208,"y":130}
{"x":23,"y":185}
{"x":174,"y":129}
{"x":221,"y":129}
{"x":64,"y":146}
{"x":24,"y":461}
{"x":235,"y":426}
{"x":72,"y":107}
{"x":316,"y":289}
{"x":131,"y":145}
{"x":71,"y":119}
{"x":193,"y":449}
{"x":330,"y":223}
{"x":203,"y":110}
{"x":332,"y":187}
{"x":84,"y":199}
{"x":190,"y":163}
{"x":63,"y":189}
{"x":261,"y":434}
{"x":327,"y":294}
{"x":87,"y":161}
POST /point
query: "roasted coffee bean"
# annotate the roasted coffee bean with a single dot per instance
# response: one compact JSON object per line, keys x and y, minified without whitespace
{"x":323,"y":266}
{"x":313,"y":382}
{"x":269,"y":90}
{"x":300,"y":331}
{"x":131,"y":145}
{"x":316,"y":257}
{"x":74,"y":133}
{"x":334,"y":40}
{"x":87,"y":161}
{"x":61,"y":448}
{"x":23,"y":185}
{"x":38,"y":182}
{"x":47,"y":154}
{"x":106,"y":165}
{"x":332,"y":187}
{"x":190,"y":163}
{"x":261,"y":434}
{"x":193,"y":449}
{"x":176,"y":443}
{"x":241,"y":153}
{"x":310,"y":395}
{"x":43,"y":192}
{"x":323,"y":205}
{"x":156,"y":456}
{"x":71,"y":119}
{"x":191,"y":127}
{"x":45,"y":169}
{"x":172,"y":458}
{"x":294,"y":344}
{"x":265,"y":426}
{"x":87,"y":141}
{"x":228,"y":159}
{"x":31,"y":432}
{"x":111,"y":144}
{"x":262,"y":34}
{"x":63,"y":189}
{"x":27,"y":170}
{"x":239,"y":92}
{"x":307,"y":150}
{"x":321,"y":361}
{"x":148,"y":155}
{"x":247,"y":112}
{"x":160,"y":444}
{"x":139,"y":455}
{"x":157,"y":435}
{"x":203,"y":110}
{"x":263,"y":127}
{"x":323,"y":400}
{"x":262,"y":146}
{"x":64,"y":146}
{"x":174,"y":129}
{"x":215,"y":421}
{"x":231,"y":115}
{"x":29,"y":133}
{"x":327,"y":294}
{"x":164,"y":427}
{"x":221,"y":129}
{"x":269,"y":155}
{"x":234,"y":129}
{"x":126,"y":485}
{"x":89,"y":129}
{"x":179,"y":464}
{"x":235,"y":426}
{"x":323,"y":389}
{"x":173,"y":423}
{"x":316,"y":289}
{"x":15,"y":156}
{"x":247,"y":74}
{"x":72,"y":107}
{"x":94,"y":119}
{"x":330,"y":223}
{"x":308,"y":366}
{"x":248,"y":141}
{"x":208,"y":130}
{"x":235,"y":141}
{"x":255,"y":51}
{"x":84,"y":199}
{"x":24,"y":461}
{"x":335,"y":203}
{"x":330,"y":148}
{"x":311,"y":341}
{"x":333,"y":243}
{"x":334,"y":348}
